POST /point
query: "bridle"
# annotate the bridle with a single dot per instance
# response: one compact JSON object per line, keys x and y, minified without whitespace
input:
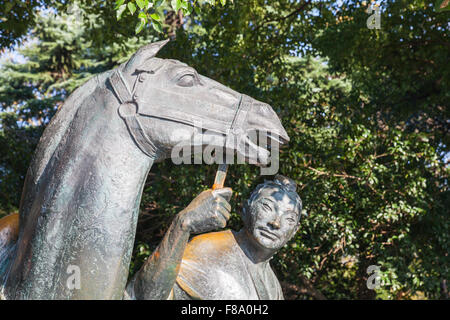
{"x":130,"y":109}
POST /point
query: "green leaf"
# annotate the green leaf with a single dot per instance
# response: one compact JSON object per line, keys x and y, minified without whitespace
{"x":158,"y":3}
{"x":141,"y":4}
{"x":131,"y":7}
{"x":157,"y":26}
{"x":176,"y":5}
{"x":140,"y":25}
{"x":155,"y":17}
{"x":120,"y":11}
{"x":223,"y":2}
{"x":142,"y":15}
{"x":188,"y":10}
{"x":119,"y":3}
{"x":9,"y":6}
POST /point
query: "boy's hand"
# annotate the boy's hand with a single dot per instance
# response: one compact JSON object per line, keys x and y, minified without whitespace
{"x":209,"y":211}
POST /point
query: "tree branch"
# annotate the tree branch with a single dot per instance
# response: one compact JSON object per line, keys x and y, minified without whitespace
{"x":296,"y":11}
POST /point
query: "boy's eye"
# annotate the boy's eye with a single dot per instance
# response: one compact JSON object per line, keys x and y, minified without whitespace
{"x":266,"y":206}
{"x":290,"y":219}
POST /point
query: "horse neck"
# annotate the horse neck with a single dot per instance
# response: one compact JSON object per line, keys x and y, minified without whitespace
{"x":98,"y":147}
{"x":103,"y":151}
{"x":95,"y":178}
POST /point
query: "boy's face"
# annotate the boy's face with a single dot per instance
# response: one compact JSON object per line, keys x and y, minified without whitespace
{"x":273,"y":218}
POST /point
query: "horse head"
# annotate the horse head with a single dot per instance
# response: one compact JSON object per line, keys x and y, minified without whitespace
{"x":165,"y":103}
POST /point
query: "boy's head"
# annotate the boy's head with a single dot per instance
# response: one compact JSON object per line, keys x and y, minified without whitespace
{"x":272,"y":213}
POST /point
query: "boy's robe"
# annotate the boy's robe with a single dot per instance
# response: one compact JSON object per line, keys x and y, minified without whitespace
{"x":214,"y":267}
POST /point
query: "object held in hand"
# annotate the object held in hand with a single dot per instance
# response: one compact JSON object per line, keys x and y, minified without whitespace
{"x":220,"y":176}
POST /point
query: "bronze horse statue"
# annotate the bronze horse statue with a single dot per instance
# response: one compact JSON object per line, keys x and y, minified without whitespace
{"x":81,"y":196}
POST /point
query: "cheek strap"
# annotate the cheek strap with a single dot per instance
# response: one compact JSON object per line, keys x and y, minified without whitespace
{"x":128,"y":111}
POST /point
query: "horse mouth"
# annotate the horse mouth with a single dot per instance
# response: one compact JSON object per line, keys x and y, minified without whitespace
{"x":263,"y":146}
{"x":280,"y":140}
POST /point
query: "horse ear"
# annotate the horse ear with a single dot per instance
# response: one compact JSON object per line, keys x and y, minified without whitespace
{"x":143,"y":54}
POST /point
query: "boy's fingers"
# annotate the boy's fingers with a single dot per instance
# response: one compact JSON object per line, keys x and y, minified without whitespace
{"x":224,"y":192}
{"x":224,"y":213}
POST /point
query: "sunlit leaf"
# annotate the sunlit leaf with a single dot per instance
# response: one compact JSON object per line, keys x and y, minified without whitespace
{"x":155,"y":16}
{"x":120,"y":11}
{"x":139,"y":26}
{"x":143,"y":16}
{"x":119,"y":3}
{"x":131,"y":7}
{"x":142,"y":4}
{"x":157,"y":26}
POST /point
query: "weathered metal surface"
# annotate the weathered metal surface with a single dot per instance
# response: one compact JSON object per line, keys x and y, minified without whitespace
{"x":224,"y":265}
{"x":81,"y":196}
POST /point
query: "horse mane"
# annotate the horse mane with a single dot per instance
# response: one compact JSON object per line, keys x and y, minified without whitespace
{"x":52,"y":137}
{"x":59,"y":124}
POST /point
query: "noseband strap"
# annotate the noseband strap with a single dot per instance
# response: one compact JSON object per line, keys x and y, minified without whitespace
{"x":129,"y":112}
{"x":236,"y":133}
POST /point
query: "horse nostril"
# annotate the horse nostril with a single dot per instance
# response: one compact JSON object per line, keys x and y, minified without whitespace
{"x":263,"y":108}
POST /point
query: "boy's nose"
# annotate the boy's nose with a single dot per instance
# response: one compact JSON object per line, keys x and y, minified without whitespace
{"x":275,"y":224}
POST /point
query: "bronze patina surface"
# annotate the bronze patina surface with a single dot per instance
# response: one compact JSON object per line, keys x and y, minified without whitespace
{"x":224,"y":265}
{"x":82,"y":192}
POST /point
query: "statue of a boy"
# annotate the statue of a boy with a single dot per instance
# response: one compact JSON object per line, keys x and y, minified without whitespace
{"x":222,"y":265}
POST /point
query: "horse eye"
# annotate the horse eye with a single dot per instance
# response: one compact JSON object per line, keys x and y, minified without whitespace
{"x":188,"y":80}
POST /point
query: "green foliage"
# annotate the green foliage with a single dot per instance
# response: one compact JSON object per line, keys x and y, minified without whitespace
{"x":16,"y":17}
{"x":366,"y":110}
{"x":153,"y":11}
